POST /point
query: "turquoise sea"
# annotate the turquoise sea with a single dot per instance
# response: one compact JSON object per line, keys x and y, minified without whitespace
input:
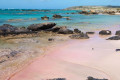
{"x":25,"y":17}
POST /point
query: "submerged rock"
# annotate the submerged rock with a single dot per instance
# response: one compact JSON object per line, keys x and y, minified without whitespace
{"x":79,"y":36}
{"x":105,"y":32}
{"x":57,"y":16}
{"x":114,"y":38}
{"x":41,"y":26}
{"x":45,"y":18}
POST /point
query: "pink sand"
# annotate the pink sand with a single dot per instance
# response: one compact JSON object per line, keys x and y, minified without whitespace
{"x":75,"y":60}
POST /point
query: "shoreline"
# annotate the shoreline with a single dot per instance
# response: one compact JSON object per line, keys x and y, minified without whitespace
{"x":67,"y":41}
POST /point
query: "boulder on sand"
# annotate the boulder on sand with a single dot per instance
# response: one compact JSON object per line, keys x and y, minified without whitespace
{"x":114,"y":38}
{"x":79,"y":36}
{"x":41,"y":26}
{"x":105,"y":32}
{"x":117,"y":32}
{"x":92,"y":78}
{"x":90,"y":32}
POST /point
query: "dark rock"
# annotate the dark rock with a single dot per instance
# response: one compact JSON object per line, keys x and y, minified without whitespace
{"x":57,"y":79}
{"x":77,"y":31}
{"x":90,"y":32}
{"x":57,"y":16}
{"x":22,"y":29}
{"x":6,"y":28}
{"x":105,"y":32}
{"x":64,"y":30}
{"x":84,"y":12}
{"x":42,"y":26}
{"x":54,"y":29}
{"x":68,"y":19}
{"x":88,"y":12}
{"x":117,"y":32}
{"x":114,"y":38}
{"x":117,"y":50}
{"x":50,"y":39}
{"x":79,"y":36}
{"x":91,"y":78}
{"x":13,"y":53}
{"x":45,"y":18}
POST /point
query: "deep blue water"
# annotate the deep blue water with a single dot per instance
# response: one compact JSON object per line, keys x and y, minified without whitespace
{"x":27,"y":17}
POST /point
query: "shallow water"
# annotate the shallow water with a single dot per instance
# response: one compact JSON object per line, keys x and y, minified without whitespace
{"x":86,"y":23}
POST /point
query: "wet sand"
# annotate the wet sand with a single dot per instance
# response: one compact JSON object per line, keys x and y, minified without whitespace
{"x":76,"y":60}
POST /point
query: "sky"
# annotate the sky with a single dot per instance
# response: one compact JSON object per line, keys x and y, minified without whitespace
{"x":53,"y":4}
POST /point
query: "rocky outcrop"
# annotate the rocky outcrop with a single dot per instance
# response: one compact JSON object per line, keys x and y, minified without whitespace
{"x":77,"y":31}
{"x":50,"y":39}
{"x":57,"y":16}
{"x":114,"y":38}
{"x":84,"y":12}
{"x":117,"y":32}
{"x":91,"y":78}
{"x":6,"y":28}
{"x":90,"y":32}
{"x":64,"y":30}
{"x":105,"y":32}
{"x":45,"y":18}
{"x":79,"y":36}
{"x":41,"y":26}
{"x":87,"y":12}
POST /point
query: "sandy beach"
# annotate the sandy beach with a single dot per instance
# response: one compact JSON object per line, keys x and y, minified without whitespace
{"x":75,"y":60}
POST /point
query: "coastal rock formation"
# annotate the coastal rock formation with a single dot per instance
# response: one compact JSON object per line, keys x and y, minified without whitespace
{"x":42,"y":26}
{"x":117,"y":32}
{"x":105,"y":32}
{"x":5,"y":28}
{"x":50,"y":39}
{"x":45,"y":18}
{"x":79,"y":36}
{"x":114,"y":38}
{"x":91,"y":78}
{"x":77,"y":31}
{"x":90,"y":32}
{"x":64,"y":30}
{"x":84,"y":12}
{"x":87,"y":12}
{"x":57,"y":16}
{"x":21,"y":29}
{"x":60,"y":30}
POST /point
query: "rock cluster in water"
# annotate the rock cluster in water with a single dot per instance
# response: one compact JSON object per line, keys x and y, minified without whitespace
{"x":7,"y":29}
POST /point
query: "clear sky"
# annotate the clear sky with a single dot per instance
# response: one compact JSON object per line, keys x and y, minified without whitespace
{"x":53,"y":4}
